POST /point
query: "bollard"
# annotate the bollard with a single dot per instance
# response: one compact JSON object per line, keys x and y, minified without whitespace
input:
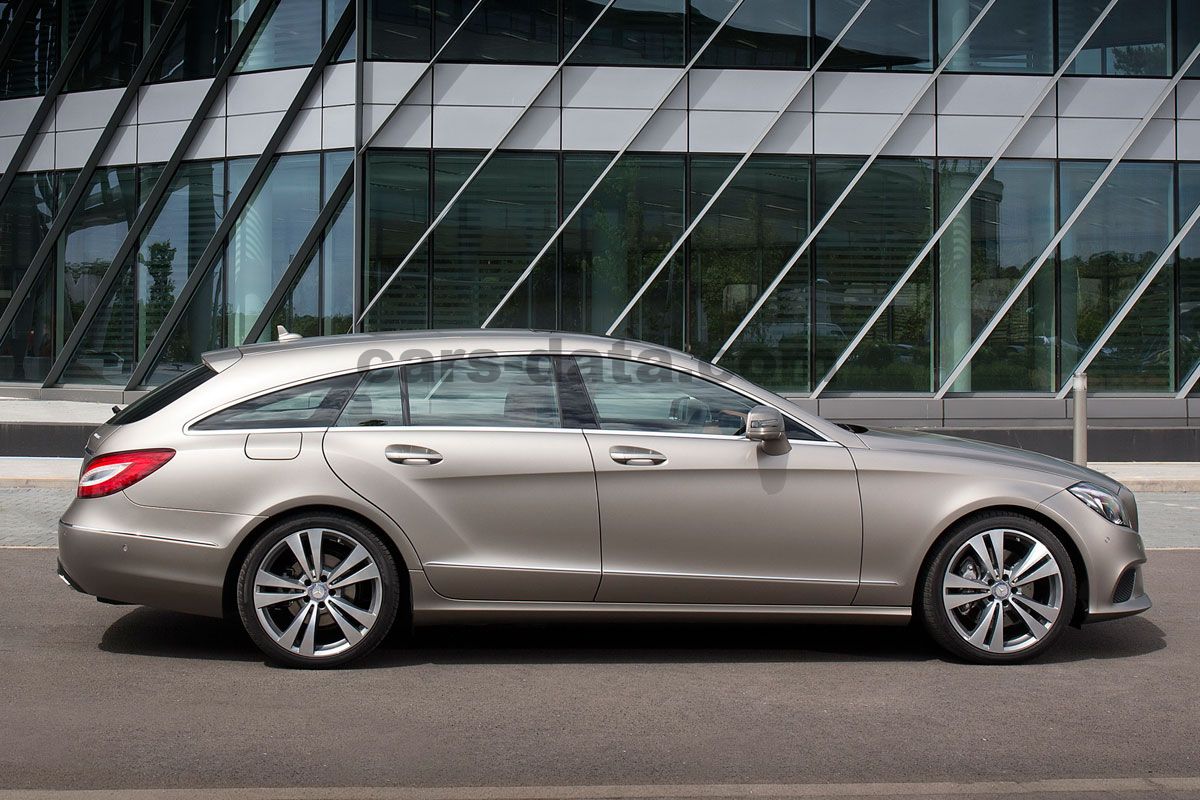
{"x":1079,"y":392}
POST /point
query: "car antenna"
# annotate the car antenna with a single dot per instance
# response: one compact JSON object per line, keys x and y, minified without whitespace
{"x":283,"y":335}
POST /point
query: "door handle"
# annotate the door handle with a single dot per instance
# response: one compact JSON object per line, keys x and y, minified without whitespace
{"x":412,"y":455}
{"x":636,"y":456}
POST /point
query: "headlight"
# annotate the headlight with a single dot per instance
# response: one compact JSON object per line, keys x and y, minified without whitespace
{"x":1103,"y":503}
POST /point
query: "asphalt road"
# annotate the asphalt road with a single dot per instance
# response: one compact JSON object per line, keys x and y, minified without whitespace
{"x":102,"y":697}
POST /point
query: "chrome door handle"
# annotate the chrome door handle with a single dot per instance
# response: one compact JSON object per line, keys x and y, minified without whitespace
{"x":636,"y":456}
{"x":412,"y":455}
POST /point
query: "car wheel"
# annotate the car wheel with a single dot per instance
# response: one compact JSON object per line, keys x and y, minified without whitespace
{"x":1000,"y":589}
{"x":318,"y":591}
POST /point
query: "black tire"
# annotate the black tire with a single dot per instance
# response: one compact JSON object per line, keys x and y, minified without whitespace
{"x":343,"y":533}
{"x":937,"y":619}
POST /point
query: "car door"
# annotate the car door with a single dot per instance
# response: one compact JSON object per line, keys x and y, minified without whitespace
{"x":693,"y":512}
{"x":470,"y":458}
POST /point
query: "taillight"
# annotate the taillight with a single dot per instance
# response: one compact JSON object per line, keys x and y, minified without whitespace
{"x":112,"y":472}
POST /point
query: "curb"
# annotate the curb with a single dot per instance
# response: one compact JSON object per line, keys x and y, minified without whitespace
{"x":38,"y":483}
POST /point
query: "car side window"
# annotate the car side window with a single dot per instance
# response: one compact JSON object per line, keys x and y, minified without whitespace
{"x":632,"y":396}
{"x":309,"y":405}
{"x":377,"y":401}
{"x":500,"y":391}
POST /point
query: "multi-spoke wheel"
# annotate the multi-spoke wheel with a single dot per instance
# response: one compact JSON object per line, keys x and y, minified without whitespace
{"x":318,"y":591}
{"x":1001,"y":589}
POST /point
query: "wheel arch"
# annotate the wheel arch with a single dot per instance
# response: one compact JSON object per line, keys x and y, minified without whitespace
{"x":1077,"y":562}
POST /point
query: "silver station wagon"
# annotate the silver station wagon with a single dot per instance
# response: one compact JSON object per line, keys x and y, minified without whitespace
{"x":326,"y":490}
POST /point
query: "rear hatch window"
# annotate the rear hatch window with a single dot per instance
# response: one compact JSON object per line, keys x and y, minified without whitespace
{"x":163,"y":396}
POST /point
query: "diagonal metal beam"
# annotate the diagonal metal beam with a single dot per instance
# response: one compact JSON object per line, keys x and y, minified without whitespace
{"x":949,"y":221}
{"x":262,"y":166}
{"x":1034,"y":268}
{"x":20,"y":14}
{"x":858,"y":176}
{"x":725,"y":184}
{"x":150,"y":206}
{"x":303,"y":255}
{"x":75,"y":52}
{"x":687,"y":69}
{"x":66,"y":210}
{"x":424,"y":237}
{"x":1134,"y":296}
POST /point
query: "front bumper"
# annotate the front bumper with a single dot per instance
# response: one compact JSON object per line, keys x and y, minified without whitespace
{"x":121,"y":552}
{"x":1112,"y":556}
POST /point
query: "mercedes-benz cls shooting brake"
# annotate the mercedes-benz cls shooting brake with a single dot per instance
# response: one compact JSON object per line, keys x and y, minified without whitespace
{"x":326,"y":490}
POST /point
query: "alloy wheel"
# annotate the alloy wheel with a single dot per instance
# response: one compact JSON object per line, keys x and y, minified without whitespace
{"x":1003,"y":591}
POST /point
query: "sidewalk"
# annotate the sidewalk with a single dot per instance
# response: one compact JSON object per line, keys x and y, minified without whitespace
{"x":1147,"y":476}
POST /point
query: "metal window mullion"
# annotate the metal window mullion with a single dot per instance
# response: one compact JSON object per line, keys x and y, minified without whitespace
{"x":303,"y":254}
{"x":445,"y":212}
{"x":357,"y":258}
{"x":1034,"y":268}
{"x":150,"y":204}
{"x":553,"y":240}
{"x":858,"y":176}
{"x":75,"y":52}
{"x":950,"y":218}
{"x":262,"y":165}
{"x":1140,"y":289}
{"x":20,"y":15}
{"x":745,"y":159}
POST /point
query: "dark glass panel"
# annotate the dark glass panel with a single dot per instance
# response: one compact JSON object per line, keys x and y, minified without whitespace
{"x":492,"y":233}
{"x":630,"y":32}
{"x":896,"y":35}
{"x":399,"y":30}
{"x":291,"y":36}
{"x":200,"y":328}
{"x":737,"y":250}
{"x":1015,"y":36}
{"x":985,"y":251}
{"x":859,"y":256}
{"x":397,"y":213}
{"x":333,"y":11}
{"x":1107,"y":251}
{"x":114,"y":51}
{"x":766,"y":33}
{"x":1187,"y":34}
{"x":619,"y":236}
{"x":198,"y":45}
{"x":1188,"y":334}
{"x":267,"y":234}
{"x":25,"y":217}
{"x":28,"y":348}
{"x":309,"y":405}
{"x":1133,"y":40}
{"x":500,"y":30}
{"x":34,"y":58}
{"x":337,"y":253}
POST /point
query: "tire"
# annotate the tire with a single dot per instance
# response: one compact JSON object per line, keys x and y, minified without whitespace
{"x":1034,"y":595}
{"x":327,"y":621}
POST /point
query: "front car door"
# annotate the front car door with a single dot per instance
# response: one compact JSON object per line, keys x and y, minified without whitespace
{"x":470,"y":458}
{"x":693,"y":512}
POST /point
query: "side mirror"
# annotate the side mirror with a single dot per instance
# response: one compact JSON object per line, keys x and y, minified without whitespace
{"x":765,"y":425}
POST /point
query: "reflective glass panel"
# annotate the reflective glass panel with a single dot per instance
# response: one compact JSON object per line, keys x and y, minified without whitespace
{"x":491,"y":235}
{"x":25,"y":217}
{"x":399,"y":30}
{"x":621,"y":233}
{"x":766,"y":33}
{"x":859,"y":256}
{"x":511,"y":31}
{"x":114,"y":51}
{"x":1189,"y":276}
{"x":1002,"y":230}
{"x":309,"y":405}
{"x":34,"y":58}
{"x":1187,"y":34}
{"x":629,"y":32}
{"x":1133,"y":39}
{"x":1016,"y":36}
{"x":397,"y":212}
{"x":737,"y":250}
{"x":198,"y":45}
{"x":291,"y":36}
{"x":895,"y":35}
{"x":1120,"y":234}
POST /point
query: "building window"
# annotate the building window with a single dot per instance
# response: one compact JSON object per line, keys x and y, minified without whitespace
{"x":290,"y":36}
{"x":766,"y":33}
{"x":397,"y":213}
{"x":737,"y":250}
{"x":999,"y":233}
{"x":398,"y":30}
{"x":630,"y":32}
{"x":1016,"y":36}
{"x":25,"y":216}
{"x":34,"y":58}
{"x":896,"y":35}
{"x":507,"y":31}
{"x":1188,"y":334}
{"x":1133,"y":40}
{"x":198,"y":45}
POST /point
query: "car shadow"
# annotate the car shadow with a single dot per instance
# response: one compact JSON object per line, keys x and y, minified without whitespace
{"x":151,"y":632}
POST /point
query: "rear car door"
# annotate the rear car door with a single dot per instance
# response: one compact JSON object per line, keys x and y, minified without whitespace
{"x":470,"y":457}
{"x":693,"y":512}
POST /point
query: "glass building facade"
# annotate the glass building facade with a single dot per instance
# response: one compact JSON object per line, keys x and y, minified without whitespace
{"x":673,"y":170}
